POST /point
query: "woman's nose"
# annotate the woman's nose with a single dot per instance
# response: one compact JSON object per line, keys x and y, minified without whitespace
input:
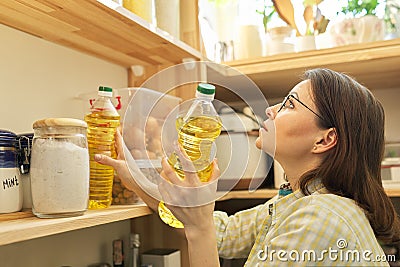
{"x":271,"y":111}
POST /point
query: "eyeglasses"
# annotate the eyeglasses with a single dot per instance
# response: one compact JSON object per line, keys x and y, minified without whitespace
{"x":287,"y":103}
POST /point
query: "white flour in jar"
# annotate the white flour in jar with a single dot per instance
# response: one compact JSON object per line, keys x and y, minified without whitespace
{"x":59,"y":176}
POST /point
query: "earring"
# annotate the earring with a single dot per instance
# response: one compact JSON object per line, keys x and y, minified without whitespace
{"x":315,"y":147}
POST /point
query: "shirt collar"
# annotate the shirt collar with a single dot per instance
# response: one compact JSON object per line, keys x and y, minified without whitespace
{"x":287,"y":196}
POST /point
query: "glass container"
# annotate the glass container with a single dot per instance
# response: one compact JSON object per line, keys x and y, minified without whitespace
{"x":59,"y":168}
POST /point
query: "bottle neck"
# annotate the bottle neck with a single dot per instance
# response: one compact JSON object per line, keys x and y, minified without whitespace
{"x":202,"y":96}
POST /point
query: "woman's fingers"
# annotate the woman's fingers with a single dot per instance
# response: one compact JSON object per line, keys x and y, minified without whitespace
{"x":106,"y":160}
{"x":191,"y":177}
{"x":168,"y":172}
{"x":119,"y":144}
{"x":215,"y":171}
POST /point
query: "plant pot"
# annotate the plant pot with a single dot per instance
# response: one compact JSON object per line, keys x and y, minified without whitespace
{"x":305,"y":43}
{"x":280,"y":40}
{"x":357,"y":30}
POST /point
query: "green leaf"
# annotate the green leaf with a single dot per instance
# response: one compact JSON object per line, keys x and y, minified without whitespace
{"x":360,"y":7}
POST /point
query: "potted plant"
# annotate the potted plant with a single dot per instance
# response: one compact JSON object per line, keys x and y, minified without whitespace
{"x":267,"y":12}
{"x":360,"y":25}
{"x":314,"y":24}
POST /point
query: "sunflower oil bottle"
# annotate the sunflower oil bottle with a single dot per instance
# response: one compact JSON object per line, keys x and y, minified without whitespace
{"x":197,"y":130}
{"x":102,"y":121}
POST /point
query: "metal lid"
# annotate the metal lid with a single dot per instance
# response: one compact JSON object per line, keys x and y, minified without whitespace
{"x":25,"y":140}
{"x":61,"y":122}
{"x":7,"y":138}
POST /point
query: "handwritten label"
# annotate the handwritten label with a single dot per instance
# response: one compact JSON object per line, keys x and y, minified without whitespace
{"x":10,"y":182}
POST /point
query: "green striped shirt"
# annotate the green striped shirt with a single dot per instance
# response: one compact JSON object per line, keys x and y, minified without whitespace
{"x":321,"y":229}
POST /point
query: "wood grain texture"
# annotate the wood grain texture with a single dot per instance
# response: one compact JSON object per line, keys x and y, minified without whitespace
{"x":101,"y":28}
{"x":375,"y":65}
{"x":67,"y":122}
{"x":20,"y":226}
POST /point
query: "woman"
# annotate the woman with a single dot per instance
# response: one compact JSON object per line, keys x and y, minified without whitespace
{"x":329,"y":134}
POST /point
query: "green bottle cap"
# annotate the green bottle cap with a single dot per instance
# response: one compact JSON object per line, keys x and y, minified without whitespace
{"x":105,"y":89}
{"x":206,"y":88}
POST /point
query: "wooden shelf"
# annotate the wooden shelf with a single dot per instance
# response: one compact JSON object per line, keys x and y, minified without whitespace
{"x":393,"y":192}
{"x":97,"y":27}
{"x":20,"y":226}
{"x":374,"y":64}
{"x":269,"y":193}
{"x":245,"y":194}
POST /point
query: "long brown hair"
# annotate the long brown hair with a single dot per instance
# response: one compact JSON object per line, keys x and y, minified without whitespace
{"x":353,"y":168}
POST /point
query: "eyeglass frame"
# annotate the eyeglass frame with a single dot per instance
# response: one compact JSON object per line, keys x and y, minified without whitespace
{"x":298,"y":100}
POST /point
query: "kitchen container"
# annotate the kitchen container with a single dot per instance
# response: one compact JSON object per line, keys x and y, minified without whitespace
{"x":242,"y":164}
{"x":162,"y":257}
{"x":147,"y":126}
{"x":142,"y":8}
{"x":168,"y":17}
{"x":280,"y":40}
{"x":24,"y":146}
{"x":11,"y":188}
{"x":59,"y":168}
{"x":390,"y":168}
{"x":143,"y":114}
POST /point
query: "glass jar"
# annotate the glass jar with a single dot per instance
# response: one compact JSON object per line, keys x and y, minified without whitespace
{"x":10,"y":188}
{"x":59,"y":168}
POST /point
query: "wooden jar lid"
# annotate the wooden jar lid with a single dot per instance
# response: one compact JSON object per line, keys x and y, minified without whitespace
{"x":68,"y":122}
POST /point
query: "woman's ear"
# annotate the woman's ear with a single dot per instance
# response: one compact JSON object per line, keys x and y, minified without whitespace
{"x":327,"y":141}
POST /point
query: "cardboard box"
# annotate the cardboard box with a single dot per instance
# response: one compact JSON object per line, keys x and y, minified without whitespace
{"x":162,"y":257}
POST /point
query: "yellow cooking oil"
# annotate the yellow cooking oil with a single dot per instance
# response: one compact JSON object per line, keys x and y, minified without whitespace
{"x":196,"y":136}
{"x":100,"y":136}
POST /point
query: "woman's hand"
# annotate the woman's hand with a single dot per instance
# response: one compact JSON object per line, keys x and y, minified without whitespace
{"x":189,"y":199}
{"x":120,"y":166}
{"x":192,"y":202}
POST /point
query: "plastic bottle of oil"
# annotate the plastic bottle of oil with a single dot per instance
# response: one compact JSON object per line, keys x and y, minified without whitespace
{"x":197,"y":130}
{"x":102,"y":121}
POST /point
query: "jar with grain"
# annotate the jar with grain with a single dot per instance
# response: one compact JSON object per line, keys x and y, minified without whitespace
{"x":59,"y":168}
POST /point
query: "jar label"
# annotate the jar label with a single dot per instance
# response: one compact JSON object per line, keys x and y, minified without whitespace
{"x":10,"y":190}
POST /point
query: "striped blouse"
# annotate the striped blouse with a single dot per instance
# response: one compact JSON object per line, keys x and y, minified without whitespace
{"x":320,"y":229}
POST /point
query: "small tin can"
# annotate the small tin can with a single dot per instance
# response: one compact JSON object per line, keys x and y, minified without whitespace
{"x":10,"y":188}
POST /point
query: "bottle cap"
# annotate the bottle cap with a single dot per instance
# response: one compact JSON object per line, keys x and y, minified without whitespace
{"x":206,"y":88}
{"x":105,"y":91}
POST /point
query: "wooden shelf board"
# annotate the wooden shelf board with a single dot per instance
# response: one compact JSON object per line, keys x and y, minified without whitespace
{"x":245,"y":194}
{"x":269,"y":193}
{"x":98,"y":27}
{"x":20,"y":226}
{"x":391,"y":192}
{"x":373,"y":64}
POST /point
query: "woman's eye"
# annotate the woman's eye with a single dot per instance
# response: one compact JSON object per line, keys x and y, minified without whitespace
{"x":289,"y":104}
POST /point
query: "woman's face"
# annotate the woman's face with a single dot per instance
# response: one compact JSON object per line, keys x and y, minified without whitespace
{"x":290,"y":134}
